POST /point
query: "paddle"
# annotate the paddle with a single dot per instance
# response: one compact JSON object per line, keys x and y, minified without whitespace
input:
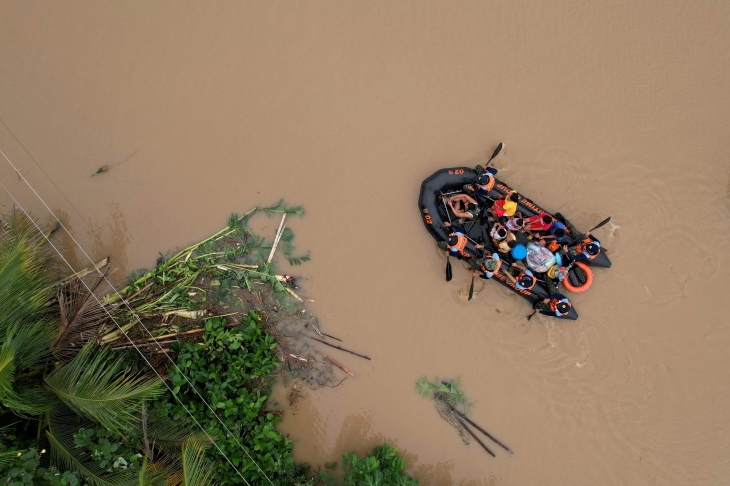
{"x":471,"y":289}
{"x":496,"y":152}
{"x":530,"y":316}
{"x":448,"y":262}
{"x":602,"y":223}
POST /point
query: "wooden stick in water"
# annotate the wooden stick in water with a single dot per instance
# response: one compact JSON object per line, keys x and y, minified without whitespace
{"x":340,"y":340}
{"x":337,"y":347}
{"x":336,"y":364}
{"x":474,"y":436}
{"x":478,"y":428}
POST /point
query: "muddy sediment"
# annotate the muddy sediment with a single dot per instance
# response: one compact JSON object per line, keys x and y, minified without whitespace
{"x":616,"y":109}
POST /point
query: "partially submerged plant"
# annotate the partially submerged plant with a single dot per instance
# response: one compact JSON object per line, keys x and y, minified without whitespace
{"x":447,"y":397}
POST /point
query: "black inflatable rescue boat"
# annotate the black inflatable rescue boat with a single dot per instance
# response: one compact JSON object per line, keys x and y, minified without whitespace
{"x":434,"y":211}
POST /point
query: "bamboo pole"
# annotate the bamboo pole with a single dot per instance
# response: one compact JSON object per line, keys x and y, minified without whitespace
{"x":276,"y":240}
{"x":474,"y":436}
{"x":478,"y":428}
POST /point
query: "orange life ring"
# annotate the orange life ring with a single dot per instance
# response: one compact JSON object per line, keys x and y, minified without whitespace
{"x":589,"y":280}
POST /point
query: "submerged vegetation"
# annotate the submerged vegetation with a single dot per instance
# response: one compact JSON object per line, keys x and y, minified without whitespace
{"x":166,"y":381}
{"x":448,"y":398}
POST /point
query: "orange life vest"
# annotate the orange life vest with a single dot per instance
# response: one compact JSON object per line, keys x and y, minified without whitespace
{"x":553,"y":246}
{"x":581,"y":248}
{"x":555,"y":301}
{"x":460,"y":244}
{"x":534,"y":280}
{"x":489,"y":185}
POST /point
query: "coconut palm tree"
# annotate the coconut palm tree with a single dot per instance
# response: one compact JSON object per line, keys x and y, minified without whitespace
{"x":53,"y":371}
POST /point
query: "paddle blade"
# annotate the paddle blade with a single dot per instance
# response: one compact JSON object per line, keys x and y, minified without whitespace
{"x":530,"y":316}
{"x":602,"y":223}
{"x":496,"y":152}
{"x":471,"y":289}
{"x":448,"y":270}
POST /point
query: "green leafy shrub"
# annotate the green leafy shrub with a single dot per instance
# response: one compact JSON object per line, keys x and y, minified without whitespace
{"x":110,"y":455}
{"x":381,"y":467}
{"x":232,"y":370}
{"x":24,"y":470}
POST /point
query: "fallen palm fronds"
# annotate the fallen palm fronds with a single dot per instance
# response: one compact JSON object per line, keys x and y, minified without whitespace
{"x":447,"y":396}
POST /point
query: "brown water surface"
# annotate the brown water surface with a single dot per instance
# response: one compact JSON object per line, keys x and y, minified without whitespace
{"x":607,"y":108}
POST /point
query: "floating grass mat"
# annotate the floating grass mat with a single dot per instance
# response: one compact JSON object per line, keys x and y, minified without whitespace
{"x":448,"y":398}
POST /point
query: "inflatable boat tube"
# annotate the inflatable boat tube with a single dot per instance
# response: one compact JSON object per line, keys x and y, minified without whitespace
{"x":576,"y":281}
{"x":434,"y":210}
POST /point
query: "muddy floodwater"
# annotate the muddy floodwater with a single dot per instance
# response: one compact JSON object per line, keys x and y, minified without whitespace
{"x":613,"y":108}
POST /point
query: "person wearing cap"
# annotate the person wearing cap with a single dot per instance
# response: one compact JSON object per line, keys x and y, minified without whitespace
{"x":506,"y":206}
{"x":489,"y":266}
{"x":586,"y":250}
{"x":525,"y":280}
{"x":556,"y":305}
{"x":470,"y":205}
{"x":455,"y":244}
{"x":484,"y":183}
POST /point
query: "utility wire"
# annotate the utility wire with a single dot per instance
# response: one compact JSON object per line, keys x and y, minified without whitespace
{"x":135,"y":315}
{"x":122,"y":330}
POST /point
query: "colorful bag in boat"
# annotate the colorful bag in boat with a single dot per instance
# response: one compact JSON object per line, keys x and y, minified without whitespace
{"x":539,"y":258}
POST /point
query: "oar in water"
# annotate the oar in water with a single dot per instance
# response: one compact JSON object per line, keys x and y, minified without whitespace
{"x":496,"y":152}
{"x":448,"y":262}
{"x":471,"y":289}
{"x":530,"y":316}
{"x":602,"y":223}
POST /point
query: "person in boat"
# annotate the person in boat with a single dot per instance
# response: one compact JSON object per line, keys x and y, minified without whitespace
{"x":506,"y":245}
{"x":541,"y":222}
{"x":555,"y":275}
{"x":489,"y":266}
{"x":499,"y":234}
{"x":506,"y":206}
{"x":484,"y":183}
{"x":525,"y":280}
{"x":516,"y":222}
{"x":455,"y":244}
{"x":584,"y":251}
{"x":556,"y":305}
{"x":470,"y":206}
{"x":553,"y":237}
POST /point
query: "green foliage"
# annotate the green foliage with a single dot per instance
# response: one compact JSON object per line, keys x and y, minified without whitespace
{"x":381,"y":467}
{"x":96,"y":384}
{"x":232,"y":371}
{"x":444,"y":390}
{"x":197,"y":468}
{"x":107,"y":451}
{"x":24,"y":470}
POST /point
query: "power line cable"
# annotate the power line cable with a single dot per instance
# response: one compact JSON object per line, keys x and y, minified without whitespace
{"x":123,"y":332}
{"x":174,"y":364}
